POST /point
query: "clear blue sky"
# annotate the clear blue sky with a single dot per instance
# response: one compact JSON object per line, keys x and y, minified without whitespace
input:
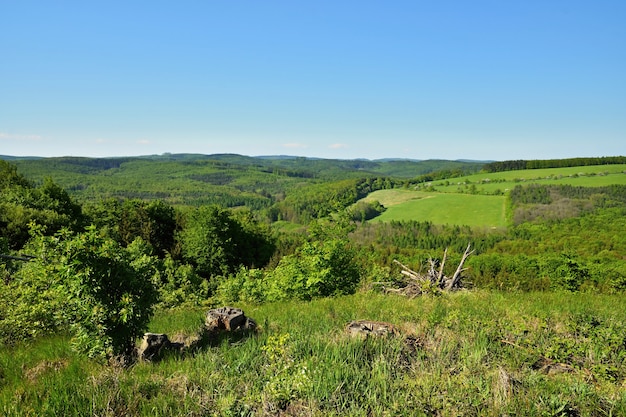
{"x":479,"y":79}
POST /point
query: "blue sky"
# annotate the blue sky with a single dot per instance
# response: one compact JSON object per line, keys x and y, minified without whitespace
{"x":474,"y":79}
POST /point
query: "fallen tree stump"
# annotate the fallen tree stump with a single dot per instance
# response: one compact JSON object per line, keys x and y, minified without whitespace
{"x":417,"y":283}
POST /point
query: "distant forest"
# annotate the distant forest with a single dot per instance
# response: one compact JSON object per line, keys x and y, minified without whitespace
{"x":552,"y":163}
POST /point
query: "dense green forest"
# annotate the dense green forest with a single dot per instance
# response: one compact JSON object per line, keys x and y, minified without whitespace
{"x":226,"y":180}
{"x":92,"y":248}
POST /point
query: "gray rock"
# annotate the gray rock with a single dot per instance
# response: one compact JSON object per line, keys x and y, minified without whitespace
{"x":228,"y":319}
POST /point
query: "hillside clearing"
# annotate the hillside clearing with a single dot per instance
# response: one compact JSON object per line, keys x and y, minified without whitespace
{"x":441,"y":208}
{"x":498,"y":182}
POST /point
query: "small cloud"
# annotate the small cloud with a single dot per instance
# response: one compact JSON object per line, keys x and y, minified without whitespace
{"x":338,"y":146}
{"x":143,"y":142}
{"x":10,"y":136}
{"x":295,"y":145}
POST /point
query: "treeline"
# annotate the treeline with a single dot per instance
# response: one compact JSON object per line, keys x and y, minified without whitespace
{"x":520,"y":164}
{"x":545,"y":194}
{"x":237,"y":237}
{"x":583,"y":253}
{"x":441,"y":175}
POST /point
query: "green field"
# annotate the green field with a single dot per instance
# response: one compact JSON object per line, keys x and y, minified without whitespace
{"x":479,"y":200}
{"x":441,"y":208}
{"x":490,"y":183}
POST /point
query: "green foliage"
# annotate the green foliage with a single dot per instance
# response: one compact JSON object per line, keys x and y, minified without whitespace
{"x":321,"y":268}
{"x":247,"y":285}
{"x":32,"y":302}
{"x":217,"y":242}
{"x":554,"y":202}
{"x":552,"y":163}
{"x":21,"y":204}
{"x":317,"y":269}
{"x":103,"y":292}
{"x":153,"y":221}
{"x":179,"y":284}
{"x":366,"y":210}
{"x":9,"y":177}
{"x":110,"y":290}
{"x":566,"y":272}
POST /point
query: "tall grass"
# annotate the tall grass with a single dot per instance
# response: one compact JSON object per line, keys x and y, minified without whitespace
{"x":470,"y":353}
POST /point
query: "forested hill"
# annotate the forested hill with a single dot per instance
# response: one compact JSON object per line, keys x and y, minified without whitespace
{"x":226,"y":179}
{"x":291,"y":165}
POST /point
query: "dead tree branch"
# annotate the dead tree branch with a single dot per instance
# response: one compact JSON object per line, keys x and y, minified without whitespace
{"x":433,"y":279}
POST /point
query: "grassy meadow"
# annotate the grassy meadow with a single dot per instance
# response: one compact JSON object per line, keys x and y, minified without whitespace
{"x":441,"y":208}
{"x":489,"y":183}
{"x":468,"y":353}
{"x":479,"y":200}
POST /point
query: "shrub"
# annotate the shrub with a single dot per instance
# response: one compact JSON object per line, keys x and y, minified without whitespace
{"x":180,"y":284}
{"x":101,"y":291}
{"x":317,"y":269}
{"x":567,"y":272}
{"x":110,"y":290}
{"x":248,"y":285}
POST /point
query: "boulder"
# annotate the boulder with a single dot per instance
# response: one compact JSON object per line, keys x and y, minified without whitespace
{"x":228,"y":319}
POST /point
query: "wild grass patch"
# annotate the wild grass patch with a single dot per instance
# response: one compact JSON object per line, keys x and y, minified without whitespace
{"x":468,"y":353}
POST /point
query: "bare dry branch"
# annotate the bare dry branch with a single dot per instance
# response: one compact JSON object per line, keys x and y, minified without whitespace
{"x":457,"y":275}
{"x":436,"y":278}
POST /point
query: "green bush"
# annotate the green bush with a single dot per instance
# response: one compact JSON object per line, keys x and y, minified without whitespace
{"x":317,"y":269}
{"x":566,"y":272}
{"x":179,"y":284}
{"x":103,"y":293}
{"x":247,"y":285}
{"x":110,"y":290}
{"x":217,"y":241}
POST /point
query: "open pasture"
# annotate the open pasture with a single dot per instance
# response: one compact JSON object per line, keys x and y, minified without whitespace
{"x":441,"y":208}
{"x":498,"y":182}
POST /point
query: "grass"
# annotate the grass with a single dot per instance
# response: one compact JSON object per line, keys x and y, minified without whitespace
{"x":449,"y":359}
{"x":478,"y":200}
{"x":441,"y":208}
{"x":587,"y":176}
